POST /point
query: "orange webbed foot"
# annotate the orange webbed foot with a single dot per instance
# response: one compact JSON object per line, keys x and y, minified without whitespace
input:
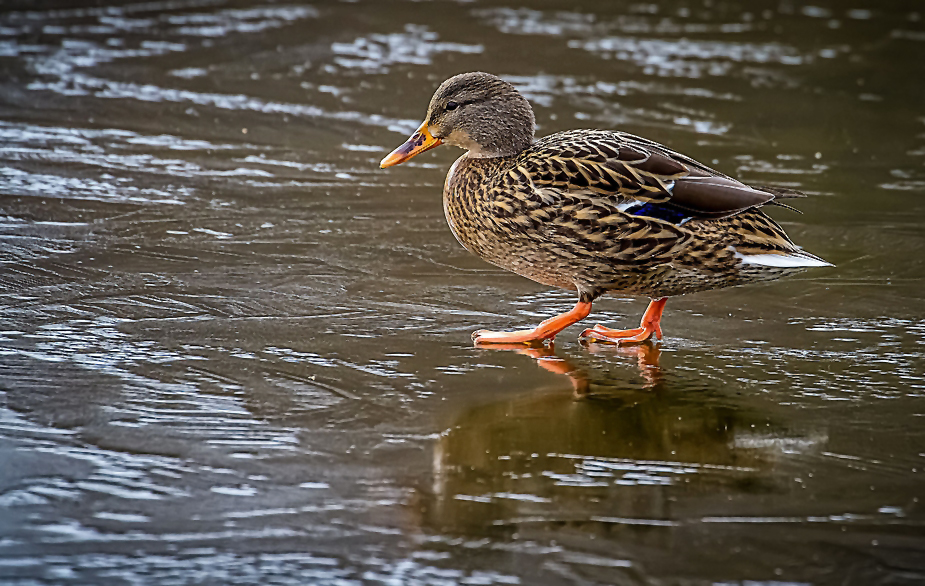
{"x":649,"y":326}
{"x":529,"y":337}
{"x":620,"y":337}
{"x":547,"y":330}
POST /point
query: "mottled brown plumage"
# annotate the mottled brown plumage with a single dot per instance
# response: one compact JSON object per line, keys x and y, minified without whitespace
{"x":594,"y":211}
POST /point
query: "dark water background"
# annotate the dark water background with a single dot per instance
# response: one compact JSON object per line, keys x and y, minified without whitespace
{"x":234,"y":351}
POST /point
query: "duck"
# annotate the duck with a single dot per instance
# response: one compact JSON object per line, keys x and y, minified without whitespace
{"x":594,"y":211}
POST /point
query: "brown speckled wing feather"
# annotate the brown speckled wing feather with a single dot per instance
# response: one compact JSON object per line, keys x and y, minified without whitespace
{"x":571,"y":209}
{"x":627,"y":167}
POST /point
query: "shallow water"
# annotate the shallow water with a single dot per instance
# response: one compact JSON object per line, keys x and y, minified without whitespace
{"x":235,"y":351}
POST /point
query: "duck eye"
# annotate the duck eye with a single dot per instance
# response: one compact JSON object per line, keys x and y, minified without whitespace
{"x":451,"y":105}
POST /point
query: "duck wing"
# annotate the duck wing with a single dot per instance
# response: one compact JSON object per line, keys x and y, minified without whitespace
{"x":638,"y":176}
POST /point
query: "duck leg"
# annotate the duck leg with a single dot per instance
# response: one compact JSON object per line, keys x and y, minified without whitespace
{"x":547,"y":330}
{"x":648,"y":327}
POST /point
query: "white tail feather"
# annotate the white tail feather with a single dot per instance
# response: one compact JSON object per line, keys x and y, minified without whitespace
{"x":783,"y":261}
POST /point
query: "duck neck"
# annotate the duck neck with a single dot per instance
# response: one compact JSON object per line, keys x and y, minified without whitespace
{"x":492,"y":143}
{"x":508,"y":144}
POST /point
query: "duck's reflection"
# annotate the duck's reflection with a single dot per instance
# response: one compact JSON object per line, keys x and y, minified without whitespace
{"x":647,"y":359}
{"x":611,"y":457}
{"x":647,"y":355}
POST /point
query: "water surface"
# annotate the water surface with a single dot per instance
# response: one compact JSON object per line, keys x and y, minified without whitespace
{"x":235,"y":351}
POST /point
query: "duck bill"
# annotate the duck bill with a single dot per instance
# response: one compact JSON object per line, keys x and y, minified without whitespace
{"x":422,"y":140}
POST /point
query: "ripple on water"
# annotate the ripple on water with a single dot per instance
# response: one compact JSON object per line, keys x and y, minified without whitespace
{"x":103,"y":88}
{"x":62,"y":67}
{"x":689,"y":58}
{"x":117,"y":157}
{"x":639,"y":20}
{"x":242,"y":20}
{"x":377,"y":53}
{"x":881,"y":358}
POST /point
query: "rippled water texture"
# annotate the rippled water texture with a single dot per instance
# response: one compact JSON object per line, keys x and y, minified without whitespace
{"x":235,"y":351}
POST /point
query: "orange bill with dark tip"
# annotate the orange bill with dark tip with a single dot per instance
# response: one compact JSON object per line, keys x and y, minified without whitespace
{"x":422,"y":140}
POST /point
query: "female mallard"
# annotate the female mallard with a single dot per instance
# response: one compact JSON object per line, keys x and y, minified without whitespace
{"x":596,"y":211}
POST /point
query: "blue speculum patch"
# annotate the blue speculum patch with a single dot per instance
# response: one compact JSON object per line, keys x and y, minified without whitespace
{"x":664,"y":212}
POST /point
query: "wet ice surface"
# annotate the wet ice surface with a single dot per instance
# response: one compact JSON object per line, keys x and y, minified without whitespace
{"x":235,"y":351}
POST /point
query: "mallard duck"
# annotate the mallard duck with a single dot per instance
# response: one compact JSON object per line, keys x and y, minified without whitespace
{"x":594,"y":211}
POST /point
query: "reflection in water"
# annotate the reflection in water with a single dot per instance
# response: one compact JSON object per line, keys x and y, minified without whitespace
{"x":646,"y":354}
{"x":647,"y":357}
{"x":547,"y":358}
{"x":639,"y":458}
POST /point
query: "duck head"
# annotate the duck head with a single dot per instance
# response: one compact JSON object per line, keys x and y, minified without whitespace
{"x":477,"y":111}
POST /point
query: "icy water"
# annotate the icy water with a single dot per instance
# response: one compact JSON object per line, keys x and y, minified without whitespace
{"x":235,"y":351}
